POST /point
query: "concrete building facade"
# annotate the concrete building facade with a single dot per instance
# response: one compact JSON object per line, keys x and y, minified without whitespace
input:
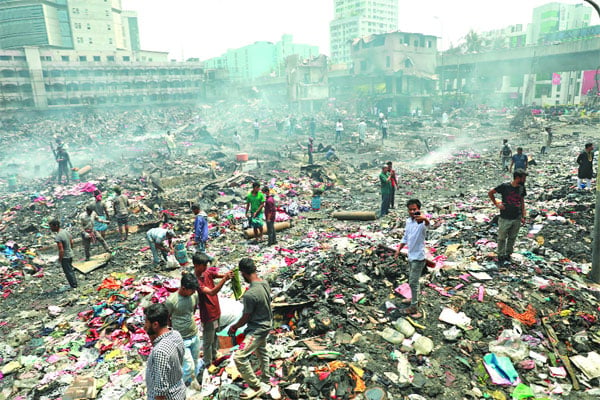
{"x":555,"y":17}
{"x":354,"y":19}
{"x":260,"y":59}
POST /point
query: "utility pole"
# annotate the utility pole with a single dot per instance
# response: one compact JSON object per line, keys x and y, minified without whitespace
{"x":595,"y":272}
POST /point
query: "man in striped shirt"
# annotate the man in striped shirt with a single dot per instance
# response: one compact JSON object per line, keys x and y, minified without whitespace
{"x":164,"y":371}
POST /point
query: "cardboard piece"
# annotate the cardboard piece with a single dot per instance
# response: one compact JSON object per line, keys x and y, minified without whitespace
{"x":95,"y":262}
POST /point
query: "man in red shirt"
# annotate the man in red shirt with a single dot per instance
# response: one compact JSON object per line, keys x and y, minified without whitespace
{"x":208,"y":304}
{"x":270,"y":212}
{"x":394,"y":182}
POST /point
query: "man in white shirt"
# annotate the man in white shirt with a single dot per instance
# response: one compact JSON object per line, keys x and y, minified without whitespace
{"x":415,"y":232}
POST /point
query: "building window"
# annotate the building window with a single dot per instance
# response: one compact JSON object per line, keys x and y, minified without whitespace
{"x":416,"y":43}
{"x":108,"y":27}
{"x":89,"y":27}
{"x":363,"y":65}
{"x":79,"y":40}
{"x":77,"y":25}
{"x":64,"y":58}
{"x":45,"y":58}
{"x":125,"y":58}
{"x":75,"y":10}
{"x":107,"y":13}
{"x":110,"y":58}
{"x":90,"y":41}
{"x":110,"y":41}
{"x":97,"y":58}
{"x":82,"y":58}
{"x":429,"y":44}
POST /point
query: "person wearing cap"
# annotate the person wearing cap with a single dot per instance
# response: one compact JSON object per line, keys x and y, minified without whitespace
{"x":156,"y":238}
{"x":512,"y":213}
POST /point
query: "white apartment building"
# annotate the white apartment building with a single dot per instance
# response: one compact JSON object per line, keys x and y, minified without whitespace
{"x":357,"y":18}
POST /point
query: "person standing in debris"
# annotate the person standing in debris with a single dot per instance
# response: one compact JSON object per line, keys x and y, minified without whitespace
{"x":64,"y":163}
{"x":384,"y":128}
{"x":362,"y":132}
{"x":88,"y":234}
{"x":506,"y":155}
{"x":310,"y":149}
{"x":312,"y":125}
{"x":415,"y":232}
{"x":200,"y":229}
{"x":585,"y":171}
{"x":386,"y":190}
{"x":394,"y":183}
{"x":164,"y":368}
{"x":270,"y":212}
{"x":256,"y":126}
{"x":170,"y":140}
{"x":208,"y":304}
{"x":64,"y":243}
{"x":237,"y":140}
{"x":258,"y":318}
{"x":512,"y":213}
{"x":182,"y":307}
{"x":255,"y":201}
{"x":156,"y":238}
{"x":549,"y":134}
{"x":99,"y":206}
{"x":121,"y":209}
{"x":339,"y":130}
{"x":518,"y":161}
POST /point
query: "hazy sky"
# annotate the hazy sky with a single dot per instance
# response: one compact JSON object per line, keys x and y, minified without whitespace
{"x":207,"y":28}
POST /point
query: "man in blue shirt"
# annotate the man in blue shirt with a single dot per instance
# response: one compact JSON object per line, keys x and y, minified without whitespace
{"x":200,"y":229}
{"x":519,"y":160}
{"x":415,"y":232}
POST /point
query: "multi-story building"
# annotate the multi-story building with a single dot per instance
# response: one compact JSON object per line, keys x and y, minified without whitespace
{"x":395,"y":71}
{"x":260,"y":59}
{"x":555,"y":17}
{"x":357,"y":18}
{"x":75,"y":52}
{"x":508,"y":37}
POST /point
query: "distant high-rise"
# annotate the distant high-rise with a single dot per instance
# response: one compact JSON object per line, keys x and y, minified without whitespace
{"x":67,"y":24}
{"x":555,"y":17}
{"x":356,"y":18}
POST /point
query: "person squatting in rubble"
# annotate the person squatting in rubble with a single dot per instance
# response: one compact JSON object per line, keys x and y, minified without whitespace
{"x":64,"y":163}
{"x":99,"y":206}
{"x":200,"y":229}
{"x":121,"y":209}
{"x":87,"y":219}
{"x":164,"y":368}
{"x":64,"y":243}
{"x":208,"y":304}
{"x":255,"y":202}
{"x":258,"y":318}
{"x":506,"y":155}
{"x":415,"y":232}
{"x":386,"y":190}
{"x":156,"y":238}
{"x":182,"y":307}
{"x":394,"y":182}
{"x":512,"y":213}
{"x":270,"y":212}
{"x":586,"y":167}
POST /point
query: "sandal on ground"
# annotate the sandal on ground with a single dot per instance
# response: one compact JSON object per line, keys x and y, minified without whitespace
{"x":412,"y":312}
{"x":250,"y":393}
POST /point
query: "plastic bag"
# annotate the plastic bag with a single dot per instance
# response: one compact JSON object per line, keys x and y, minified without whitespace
{"x":510,"y":344}
{"x":172,"y":262}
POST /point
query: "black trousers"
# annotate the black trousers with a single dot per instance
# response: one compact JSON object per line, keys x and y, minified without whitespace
{"x":67,"y":267}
